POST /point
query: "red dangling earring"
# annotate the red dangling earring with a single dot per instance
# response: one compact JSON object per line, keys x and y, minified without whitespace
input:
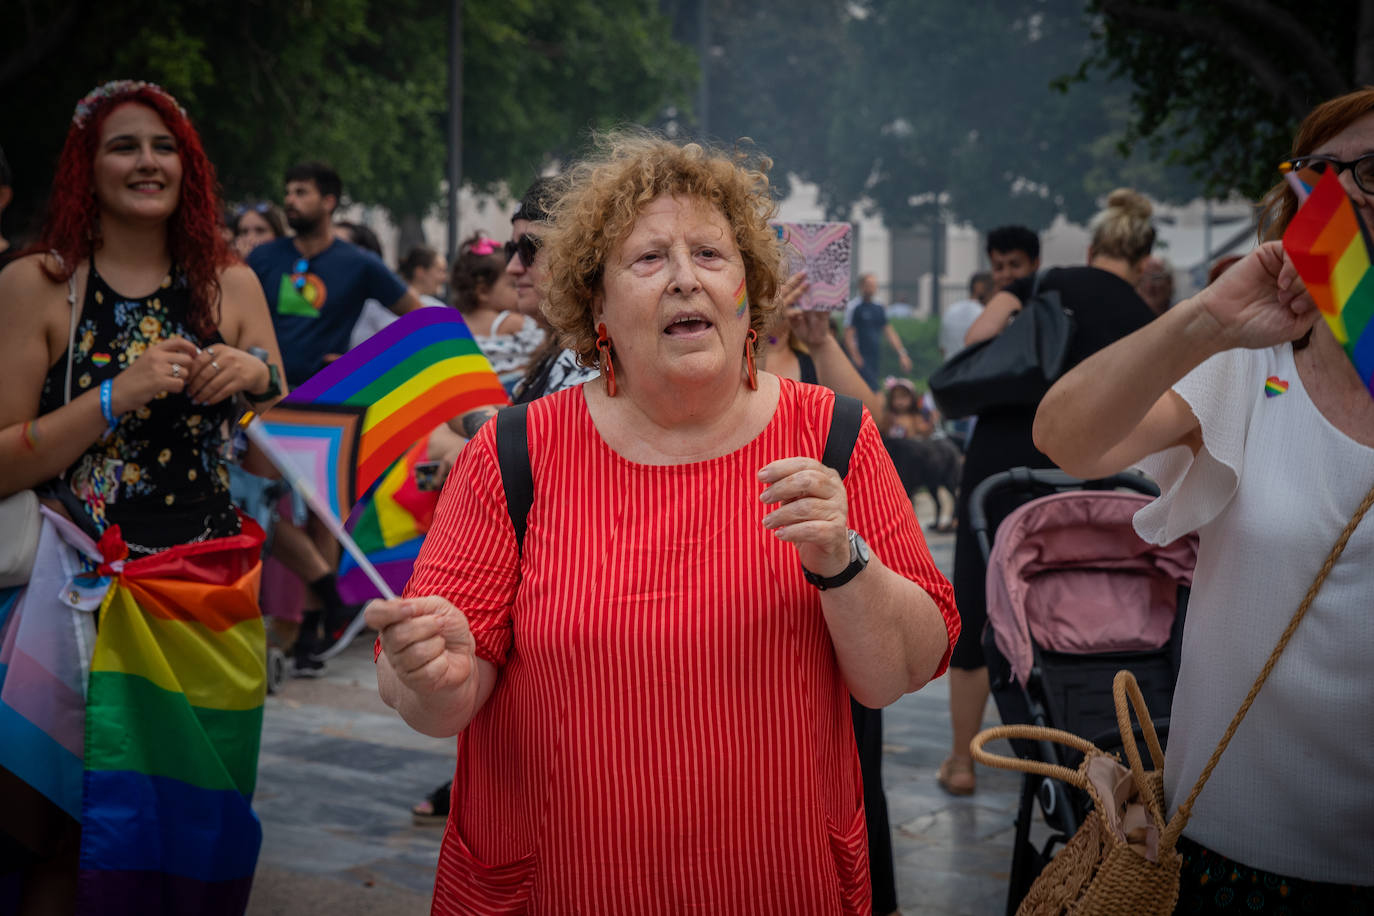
{"x":749,"y":340}
{"x":603,"y":346}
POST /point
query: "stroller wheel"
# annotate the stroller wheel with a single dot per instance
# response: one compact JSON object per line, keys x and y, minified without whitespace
{"x":1049,"y":797}
{"x":276,"y":668}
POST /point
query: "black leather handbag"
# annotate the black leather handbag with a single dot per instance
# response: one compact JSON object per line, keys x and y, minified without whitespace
{"x":1013,"y":369}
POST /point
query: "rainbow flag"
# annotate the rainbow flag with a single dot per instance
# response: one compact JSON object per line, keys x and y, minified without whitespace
{"x":419,"y":371}
{"x":1330,"y":247}
{"x":145,"y":731}
{"x":389,"y":525}
{"x":173,"y":725}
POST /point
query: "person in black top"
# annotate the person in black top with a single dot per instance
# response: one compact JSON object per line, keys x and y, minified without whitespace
{"x":1106,"y":308}
{"x":131,"y":269}
{"x":127,"y":330}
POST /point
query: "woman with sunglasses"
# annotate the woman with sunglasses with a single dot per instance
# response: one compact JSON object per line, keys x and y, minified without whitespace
{"x":484,"y":291}
{"x":1260,"y":432}
{"x":552,"y":367}
{"x":128,"y":327}
{"x":255,"y":224}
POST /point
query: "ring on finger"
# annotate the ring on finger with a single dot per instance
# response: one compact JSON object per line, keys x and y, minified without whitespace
{"x":176,"y":370}
{"x":214,"y":365}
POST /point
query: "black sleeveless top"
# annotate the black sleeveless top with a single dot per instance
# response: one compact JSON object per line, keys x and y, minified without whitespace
{"x":160,"y":474}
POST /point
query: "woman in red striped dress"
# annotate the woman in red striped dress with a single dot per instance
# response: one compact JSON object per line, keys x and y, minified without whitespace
{"x":651,"y":692}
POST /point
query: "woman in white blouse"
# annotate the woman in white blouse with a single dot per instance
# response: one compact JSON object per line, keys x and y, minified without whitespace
{"x":485,"y":294}
{"x":1245,"y":408}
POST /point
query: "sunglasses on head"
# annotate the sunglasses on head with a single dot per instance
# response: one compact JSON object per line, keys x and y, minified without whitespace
{"x":1311,"y":168}
{"x":527,"y":247}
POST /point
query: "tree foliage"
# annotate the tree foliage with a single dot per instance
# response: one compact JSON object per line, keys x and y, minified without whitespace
{"x":941,"y":109}
{"x":360,"y":83}
{"x":1222,"y":84}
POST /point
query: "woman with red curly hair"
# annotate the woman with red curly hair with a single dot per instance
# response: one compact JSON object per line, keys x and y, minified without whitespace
{"x":128,"y":326}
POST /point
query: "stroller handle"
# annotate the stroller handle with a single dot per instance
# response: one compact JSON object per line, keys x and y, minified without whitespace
{"x":1041,"y":482}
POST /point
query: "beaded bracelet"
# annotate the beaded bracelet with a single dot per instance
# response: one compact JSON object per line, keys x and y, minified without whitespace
{"x":106,"y":405}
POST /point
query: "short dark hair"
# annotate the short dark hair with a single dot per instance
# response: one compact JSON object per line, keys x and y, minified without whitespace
{"x":421,"y":257}
{"x":6,"y":176}
{"x":361,"y":236}
{"x":325,"y":178}
{"x":538,"y":199}
{"x":1014,"y":238}
{"x":981,"y":276}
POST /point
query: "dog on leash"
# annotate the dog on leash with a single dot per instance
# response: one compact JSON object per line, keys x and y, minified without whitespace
{"x":933,"y":464}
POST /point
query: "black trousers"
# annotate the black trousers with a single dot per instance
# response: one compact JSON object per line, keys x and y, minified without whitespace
{"x":868,"y":735}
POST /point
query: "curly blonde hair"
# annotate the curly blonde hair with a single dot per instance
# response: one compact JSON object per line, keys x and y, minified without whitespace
{"x":602,"y":196}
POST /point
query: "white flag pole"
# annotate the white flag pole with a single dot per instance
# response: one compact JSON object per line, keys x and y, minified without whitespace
{"x":258,"y":434}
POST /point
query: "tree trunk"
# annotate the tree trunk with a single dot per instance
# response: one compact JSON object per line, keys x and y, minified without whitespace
{"x":1364,"y":45}
{"x":411,"y":233}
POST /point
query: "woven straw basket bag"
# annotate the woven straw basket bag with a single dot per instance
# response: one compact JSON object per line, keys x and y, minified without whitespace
{"x":1118,"y":861}
{"x":1123,"y":859}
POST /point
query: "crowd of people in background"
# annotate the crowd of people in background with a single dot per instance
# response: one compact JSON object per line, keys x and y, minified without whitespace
{"x":149,"y":316}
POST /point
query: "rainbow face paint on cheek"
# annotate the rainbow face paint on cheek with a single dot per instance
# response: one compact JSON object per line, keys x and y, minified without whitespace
{"x":741,"y":299}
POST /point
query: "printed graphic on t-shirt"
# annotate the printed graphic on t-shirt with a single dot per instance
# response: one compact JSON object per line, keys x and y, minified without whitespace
{"x":302,"y":295}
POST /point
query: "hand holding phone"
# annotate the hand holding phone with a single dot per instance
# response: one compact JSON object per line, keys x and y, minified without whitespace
{"x":430,"y":475}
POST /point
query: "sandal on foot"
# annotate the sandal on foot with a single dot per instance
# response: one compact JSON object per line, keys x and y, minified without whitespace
{"x":433,"y":811}
{"x":956,"y":776}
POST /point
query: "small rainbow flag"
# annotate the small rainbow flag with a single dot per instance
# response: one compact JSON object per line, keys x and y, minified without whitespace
{"x":1330,"y":247}
{"x":419,"y":371}
{"x":389,"y":525}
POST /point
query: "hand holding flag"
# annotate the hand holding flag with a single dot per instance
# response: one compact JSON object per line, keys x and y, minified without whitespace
{"x":350,"y":423}
{"x":1330,"y":247}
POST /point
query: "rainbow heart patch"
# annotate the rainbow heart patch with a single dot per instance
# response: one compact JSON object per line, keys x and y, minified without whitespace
{"x":1274,"y":386}
{"x":100,"y":359}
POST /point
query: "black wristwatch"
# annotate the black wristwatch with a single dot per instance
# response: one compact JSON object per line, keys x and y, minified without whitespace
{"x":858,"y":559}
{"x":273,"y":378}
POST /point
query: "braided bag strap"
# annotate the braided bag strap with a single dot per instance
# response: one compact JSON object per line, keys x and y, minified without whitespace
{"x":1185,"y":810}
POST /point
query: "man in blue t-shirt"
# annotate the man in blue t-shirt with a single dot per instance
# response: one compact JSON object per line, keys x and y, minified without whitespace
{"x":865,"y":325}
{"x":316,"y":285}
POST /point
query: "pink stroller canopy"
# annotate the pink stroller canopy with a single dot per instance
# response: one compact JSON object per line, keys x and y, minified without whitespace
{"x":1070,"y":572}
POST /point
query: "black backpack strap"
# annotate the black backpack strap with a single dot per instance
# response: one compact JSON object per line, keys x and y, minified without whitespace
{"x":844,"y":432}
{"x":513,"y":458}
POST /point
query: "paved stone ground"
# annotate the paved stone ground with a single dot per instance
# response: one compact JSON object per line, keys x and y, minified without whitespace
{"x":339,"y":772}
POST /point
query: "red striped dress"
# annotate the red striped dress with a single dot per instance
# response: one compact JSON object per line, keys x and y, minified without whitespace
{"x":669,"y":731}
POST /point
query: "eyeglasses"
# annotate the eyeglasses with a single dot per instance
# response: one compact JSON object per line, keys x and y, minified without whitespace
{"x":298,"y":272}
{"x":527,"y":247}
{"x":1362,"y":169}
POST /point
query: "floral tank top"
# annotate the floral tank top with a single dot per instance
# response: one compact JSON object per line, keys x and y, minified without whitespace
{"x":160,"y":473}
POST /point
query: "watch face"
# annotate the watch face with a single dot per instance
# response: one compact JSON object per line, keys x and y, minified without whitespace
{"x":860,"y":551}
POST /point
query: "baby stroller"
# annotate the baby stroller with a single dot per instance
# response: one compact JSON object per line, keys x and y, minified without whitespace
{"x":1073,"y":596}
